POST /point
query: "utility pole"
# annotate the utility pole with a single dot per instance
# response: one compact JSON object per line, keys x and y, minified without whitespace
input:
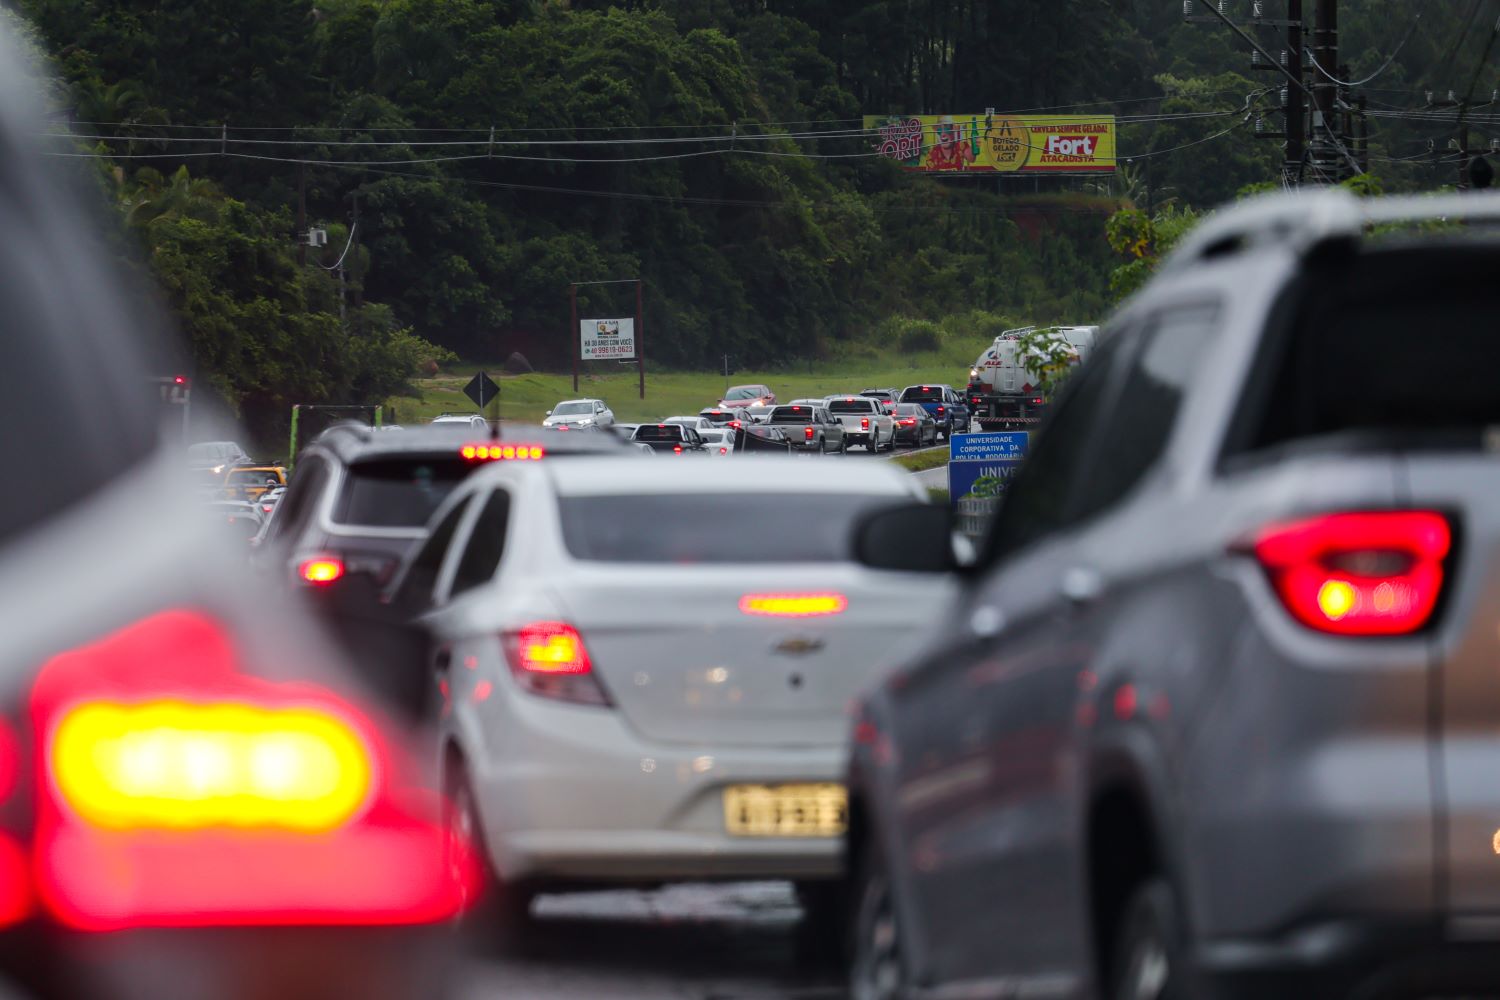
{"x":302,"y":214}
{"x":359,"y":284}
{"x":1326,"y":159}
{"x":1295,"y":105}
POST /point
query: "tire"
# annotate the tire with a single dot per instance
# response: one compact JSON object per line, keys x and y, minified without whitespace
{"x":1148,"y":962}
{"x":822,"y":936}
{"x":498,"y":920}
{"x":843,"y":446}
{"x":877,"y":964}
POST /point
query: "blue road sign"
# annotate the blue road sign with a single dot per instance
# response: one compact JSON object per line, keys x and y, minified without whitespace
{"x":975,"y":456}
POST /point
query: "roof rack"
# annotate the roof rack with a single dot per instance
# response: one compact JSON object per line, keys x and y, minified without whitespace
{"x":1303,"y":219}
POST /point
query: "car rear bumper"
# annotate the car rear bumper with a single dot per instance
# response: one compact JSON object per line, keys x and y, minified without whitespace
{"x":577,"y":794}
{"x":1369,"y":959}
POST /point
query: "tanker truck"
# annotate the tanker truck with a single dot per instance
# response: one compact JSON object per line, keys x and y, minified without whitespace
{"x":1005,"y":383}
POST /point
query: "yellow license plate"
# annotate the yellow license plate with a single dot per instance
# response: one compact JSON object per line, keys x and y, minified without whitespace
{"x":820,"y":810}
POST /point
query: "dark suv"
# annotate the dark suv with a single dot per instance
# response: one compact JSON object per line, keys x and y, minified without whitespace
{"x":360,"y":499}
{"x":948,"y":407}
{"x":1218,"y":713}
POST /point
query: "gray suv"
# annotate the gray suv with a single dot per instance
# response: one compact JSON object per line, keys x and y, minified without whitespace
{"x":1218,"y":713}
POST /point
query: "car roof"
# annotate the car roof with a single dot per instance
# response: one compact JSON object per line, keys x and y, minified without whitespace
{"x":582,"y":399}
{"x":628,"y":476}
{"x":355,"y":442}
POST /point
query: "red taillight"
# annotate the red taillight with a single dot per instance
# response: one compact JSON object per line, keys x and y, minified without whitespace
{"x":723,"y":451}
{"x":909,"y":422}
{"x":864,"y":423}
{"x":551,"y":660}
{"x":321,"y":570}
{"x":807,"y":432}
{"x":677,"y":449}
{"x":1376,"y":573}
{"x":173,"y":789}
{"x":735,"y":424}
{"x":1037,"y":401}
{"x":941,"y":410}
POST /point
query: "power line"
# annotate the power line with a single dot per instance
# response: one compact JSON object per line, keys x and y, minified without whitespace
{"x":1383,"y":66}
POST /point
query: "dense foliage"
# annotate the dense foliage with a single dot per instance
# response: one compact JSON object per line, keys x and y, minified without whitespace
{"x":758,"y":251}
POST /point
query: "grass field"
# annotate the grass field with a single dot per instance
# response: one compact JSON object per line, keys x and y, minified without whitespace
{"x":527,"y":397}
{"x":921,"y":461}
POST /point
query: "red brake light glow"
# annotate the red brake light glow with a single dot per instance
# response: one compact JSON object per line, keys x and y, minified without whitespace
{"x":807,"y":432}
{"x":864,"y":423}
{"x":496,"y":452}
{"x":174,"y":789}
{"x":677,"y":449}
{"x":793,"y":605}
{"x":1374,"y":573}
{"x":550,"y":659}
{"x":321,"y":570}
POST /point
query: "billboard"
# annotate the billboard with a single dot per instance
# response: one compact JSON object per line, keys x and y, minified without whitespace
{"x":982,"y":465}
{"x":607,"y":339}
{"x":991,"y":143}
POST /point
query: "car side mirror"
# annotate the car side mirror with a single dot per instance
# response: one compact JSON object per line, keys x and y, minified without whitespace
{"x":912,"y":538}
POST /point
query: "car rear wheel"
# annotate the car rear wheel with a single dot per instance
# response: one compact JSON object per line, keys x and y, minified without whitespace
{"x":497,"y":914}
{"x":1148,"y":958}
{"x":877,"y":970}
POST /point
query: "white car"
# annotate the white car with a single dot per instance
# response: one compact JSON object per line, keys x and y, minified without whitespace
{"x":580,"y":414}
{"x":699,"y":424}
{"x":473,"y":420}
{"x":719,"y":442}
{"x":634,"y":694}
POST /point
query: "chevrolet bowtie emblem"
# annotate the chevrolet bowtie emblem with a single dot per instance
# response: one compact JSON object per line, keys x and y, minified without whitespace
{"x":798,"y":647}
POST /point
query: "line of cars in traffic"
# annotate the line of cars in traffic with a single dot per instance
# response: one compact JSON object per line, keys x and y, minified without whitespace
{"x":749,"y":417}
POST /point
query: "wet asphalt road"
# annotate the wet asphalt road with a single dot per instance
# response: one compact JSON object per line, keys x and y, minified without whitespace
{"x":736,"y":941}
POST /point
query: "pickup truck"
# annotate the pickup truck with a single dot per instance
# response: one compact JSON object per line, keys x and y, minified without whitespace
{"x":947,"y":407}
{"x":810,"y":428}
{"x":672,"y":438}
{"x":865,"y":421}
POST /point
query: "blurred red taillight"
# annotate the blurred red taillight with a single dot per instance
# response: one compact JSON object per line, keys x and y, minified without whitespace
{"x":735,"y":424}
{"x":864,"y":423}
{"x":941,"y":410}
{"x":551,"y":660}
{"x":807,"y":432}
{"x":909,"y":422}
{"x":1372,"y":573}
{"x":175,"y":790}
{"x":677,"y":449}
{"x":321,"y":570}
{"x":723,"y":451}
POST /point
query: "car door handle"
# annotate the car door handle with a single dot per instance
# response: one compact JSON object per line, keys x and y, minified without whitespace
{"x":1081,"y":587}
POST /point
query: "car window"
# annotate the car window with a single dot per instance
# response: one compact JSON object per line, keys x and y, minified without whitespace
{"x":568,"y":409}
{"x":397,"y":492}
{"x":660,"y":432}
{"x":1135,"y":434}
{"x":851,"y":406}
{"x":628,"y":528}
{"x":1036,"y":505}
{"x":922,"y":394}
{"x":414,"y":594}
{"x":486,"y":545}
{"x":305,"y":489}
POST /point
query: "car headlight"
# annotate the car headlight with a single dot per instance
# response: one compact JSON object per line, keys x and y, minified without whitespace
{"x":973,"y":373}
{"x":586,"y":421}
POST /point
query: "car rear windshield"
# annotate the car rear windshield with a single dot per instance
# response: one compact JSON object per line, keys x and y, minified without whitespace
{"x":792,"y":415}
{"x":922,"y":394}
{"x":1400,"y":346}
{"x":851,"y":406}
{"x":396,"y":492}
{"x":691,"y":529}
{"x":659,"y":432}
{"x":717,"y":416}
{"x":910,"y":410}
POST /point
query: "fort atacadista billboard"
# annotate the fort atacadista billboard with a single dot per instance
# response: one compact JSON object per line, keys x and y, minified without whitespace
{"x":994,"y":143}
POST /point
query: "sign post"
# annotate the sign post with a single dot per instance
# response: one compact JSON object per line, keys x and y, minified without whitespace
{"x":640,"y":351}
{"x":481,"y":389}
{"x":610,"y":339}
{"x":573,"y":306}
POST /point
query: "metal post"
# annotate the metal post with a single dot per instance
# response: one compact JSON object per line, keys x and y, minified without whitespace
{"x":573,"y":332}
{"x":359,"y":283}
{"x":640,"y":329}
{"x":187,"y":403}
{"x":1296,"y":104}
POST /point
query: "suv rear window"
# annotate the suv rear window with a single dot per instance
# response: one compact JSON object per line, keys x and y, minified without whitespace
{"x":852,"y":406}
{"x":1401,"y":344}
{"x":792,"y":415}
{"x":922,"y":394}
{"x":630,"y":528}
{"x":659,"y":432}
{"x":396,"y":492}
